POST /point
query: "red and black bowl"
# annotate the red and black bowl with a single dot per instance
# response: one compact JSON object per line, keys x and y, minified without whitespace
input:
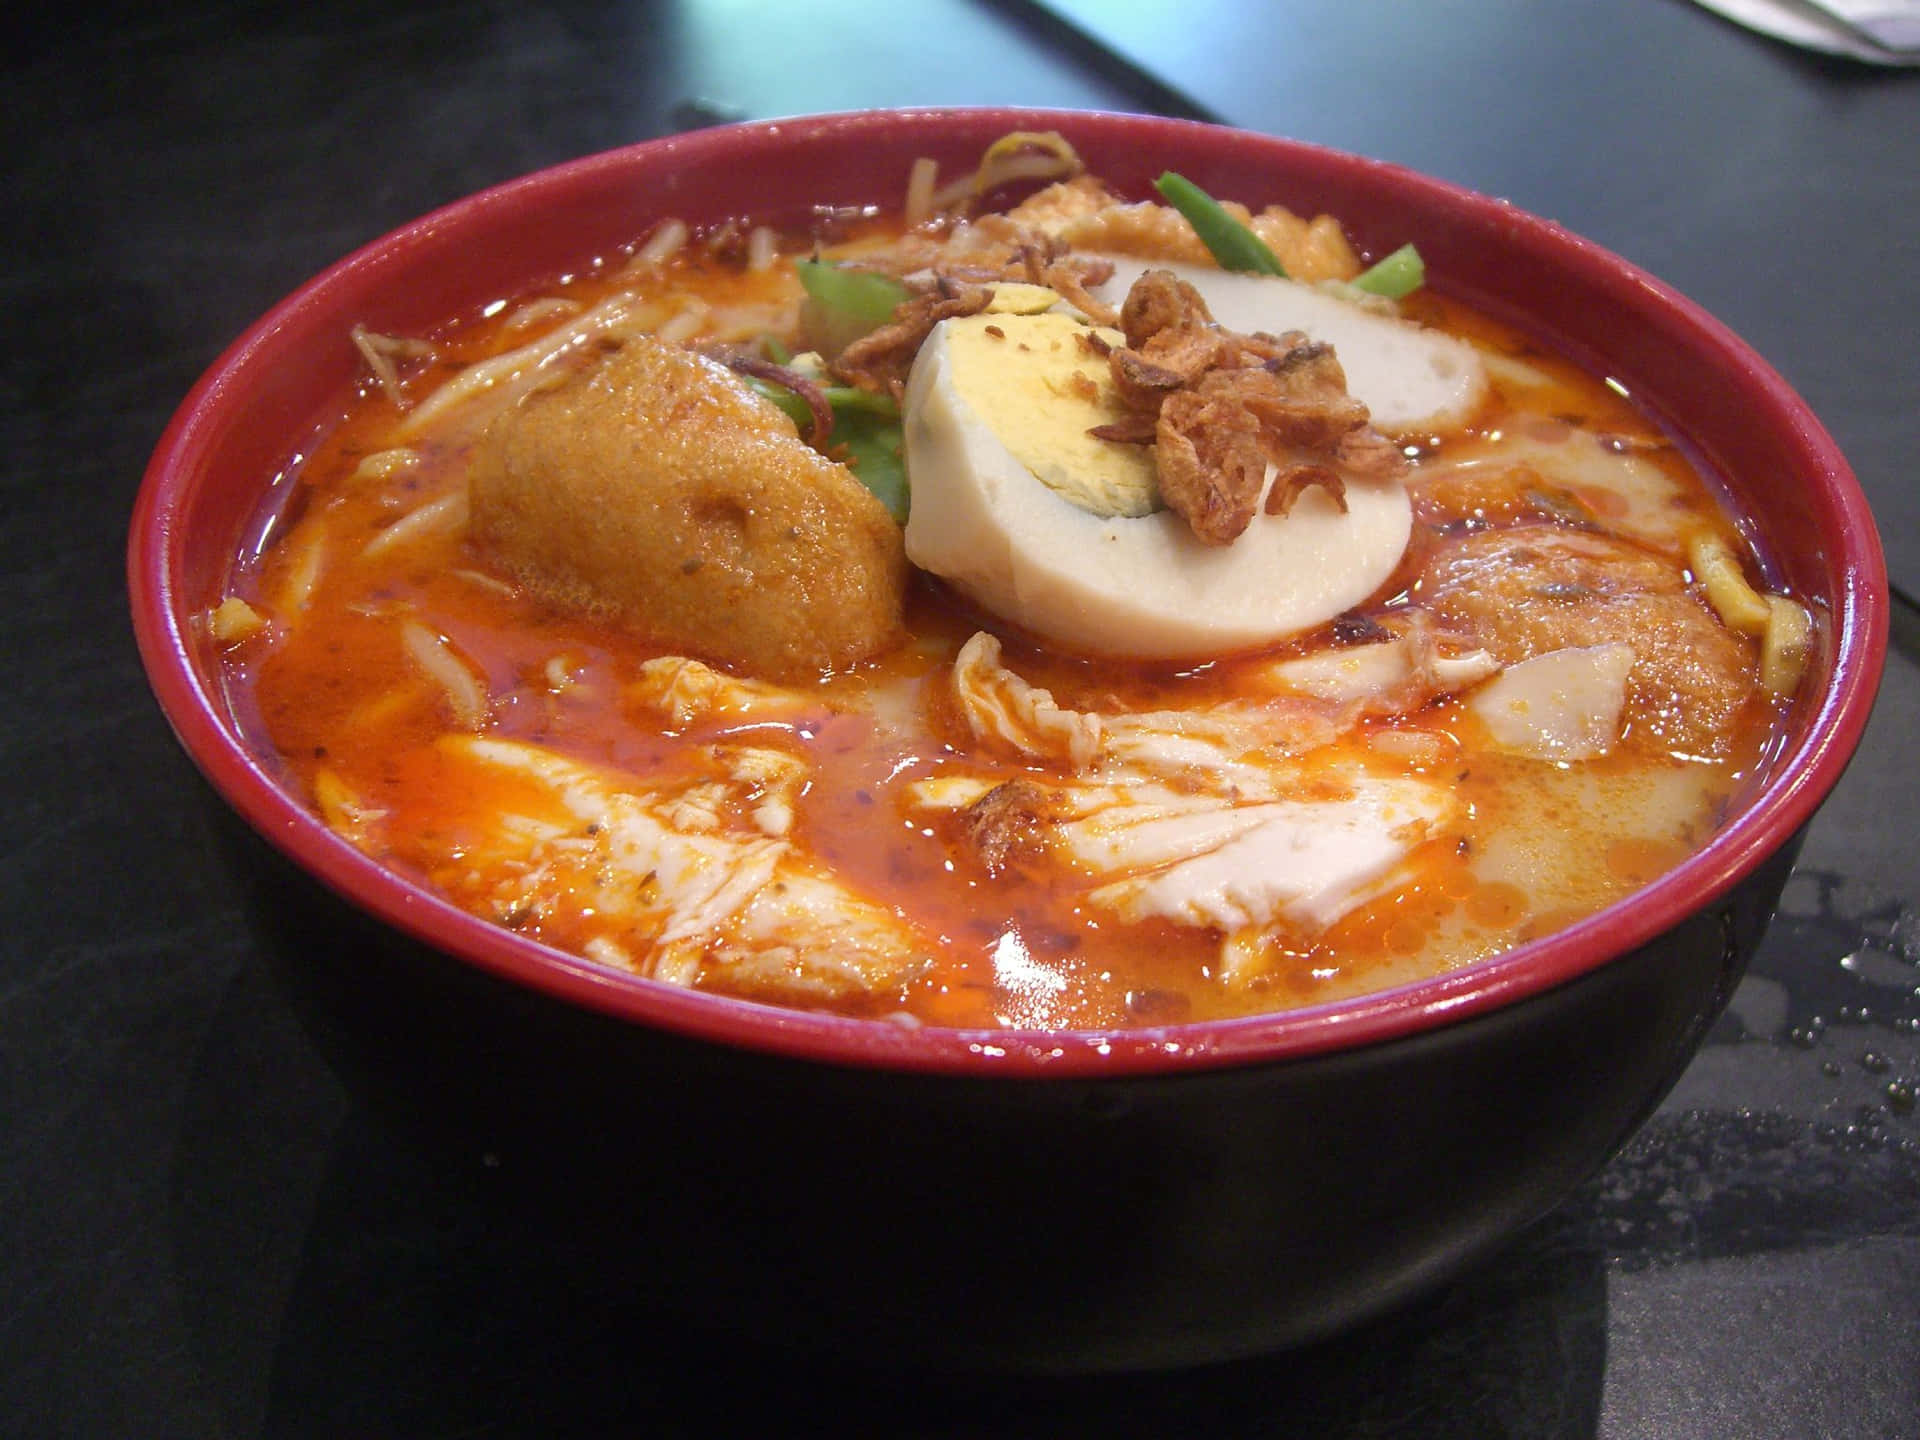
{"x":1043,"y":1201}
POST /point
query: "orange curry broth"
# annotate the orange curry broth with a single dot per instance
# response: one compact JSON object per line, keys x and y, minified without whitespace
{"x":336,"y":693}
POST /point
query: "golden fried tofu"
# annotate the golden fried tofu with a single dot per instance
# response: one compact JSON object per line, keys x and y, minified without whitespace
{"x":658,"y":490}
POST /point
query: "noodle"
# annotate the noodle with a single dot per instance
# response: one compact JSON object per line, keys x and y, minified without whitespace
{"x":385,"y":464}
{"x":438,"y":662}
{"x":298,"y":582}
{"x":1787,"y":643}
{"x":663,"y":243}
{"x":920,"y":181}
{"x":763,"y":248}
{"x":605,"y":318}
{"x":379,"y":352}
{"x":685,"y":325}
{"x":538,"y":312}
{"x":483,"y":580}
{"x":447,"y":514}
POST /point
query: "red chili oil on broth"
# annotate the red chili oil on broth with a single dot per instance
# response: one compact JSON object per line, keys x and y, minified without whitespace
{"x":346,"y":692}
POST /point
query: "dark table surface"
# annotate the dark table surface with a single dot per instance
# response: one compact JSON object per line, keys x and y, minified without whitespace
{"x":202,"y":1235}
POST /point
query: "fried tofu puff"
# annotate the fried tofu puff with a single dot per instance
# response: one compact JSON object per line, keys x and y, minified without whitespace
{"x":658,"y":490}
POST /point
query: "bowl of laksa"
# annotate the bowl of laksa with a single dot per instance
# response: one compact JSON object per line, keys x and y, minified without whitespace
{"x":1071,"y":740}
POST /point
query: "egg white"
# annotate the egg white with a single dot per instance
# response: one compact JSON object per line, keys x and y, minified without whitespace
{"x":1116,"y":585}
{"x":1409,"y":377}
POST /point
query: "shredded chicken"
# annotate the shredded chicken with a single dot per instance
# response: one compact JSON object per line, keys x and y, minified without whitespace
{"x":1386,"y":672}
{"x":1011,"y":715}
{"x":1292,"y":863}
{"x":698,"y":877}
{"x":1221,"y":408}
{"x":681,"y":691}
{"x":1003,"y":709}
{"x":1206,"y":817}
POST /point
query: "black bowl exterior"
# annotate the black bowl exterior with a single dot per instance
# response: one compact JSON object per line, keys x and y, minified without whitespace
{"x":1020,"y":1224}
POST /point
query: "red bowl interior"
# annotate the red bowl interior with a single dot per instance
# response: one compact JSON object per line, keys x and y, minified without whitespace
{"x":255,"y":409}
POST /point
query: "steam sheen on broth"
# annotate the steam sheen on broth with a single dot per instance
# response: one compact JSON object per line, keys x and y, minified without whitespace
{"x":665,"y":691}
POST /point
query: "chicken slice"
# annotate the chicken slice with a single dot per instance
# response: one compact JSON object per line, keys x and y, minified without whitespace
{"x":1219,"y":818}
{"x":1298,"y":864}
{"x":1005,"y":711}
{"x":687,"y":878}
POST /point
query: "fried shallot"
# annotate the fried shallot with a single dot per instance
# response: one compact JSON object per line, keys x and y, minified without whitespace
{"x":1009,"y":823}
{"x":879,"y":361}
{"x":1221,"y":407}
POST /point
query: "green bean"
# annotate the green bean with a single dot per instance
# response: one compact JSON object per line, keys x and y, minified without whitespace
{"x":874,"y":453}
{"x":845,"y":399}
{"x":864,"y":298}
{"x":1394,"y":276}
{"x":790,"y":401}
{"x":1232,"y":244}
{"x":866,"y":426}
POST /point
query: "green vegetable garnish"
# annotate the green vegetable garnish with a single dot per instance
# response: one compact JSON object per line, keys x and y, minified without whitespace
{"x":1231,"y":243}
{"x":790,"y":401}
{"x":866,"y":425}
{"x":846,"y":399}
{"x":862,"y":300}
{"x":873,"y":443}
{"x":1394,"y":276}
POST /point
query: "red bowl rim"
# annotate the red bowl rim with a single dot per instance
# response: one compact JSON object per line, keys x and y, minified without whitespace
{"x":1799,"y":784}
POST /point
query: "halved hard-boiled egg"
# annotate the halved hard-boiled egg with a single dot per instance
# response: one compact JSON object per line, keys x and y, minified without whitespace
{"x":1018,"y":506}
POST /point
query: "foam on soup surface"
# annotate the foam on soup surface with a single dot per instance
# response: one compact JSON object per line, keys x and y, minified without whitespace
{"x":1019,"y":796}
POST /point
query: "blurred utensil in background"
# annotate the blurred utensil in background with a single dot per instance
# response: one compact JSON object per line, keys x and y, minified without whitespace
{"x":1881,"y":32}
{"x":1890,"y":24}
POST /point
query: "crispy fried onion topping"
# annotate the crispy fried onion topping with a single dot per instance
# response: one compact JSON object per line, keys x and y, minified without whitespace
{"x":1033,"y":258}
{"x":1010,"y":823}
{"x":879,"y":361}
{"x":1220,"y":407}
{"x":743,"y":362}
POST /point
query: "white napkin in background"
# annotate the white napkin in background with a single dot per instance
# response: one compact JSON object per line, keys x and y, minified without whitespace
{"x":1818,"y":26}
